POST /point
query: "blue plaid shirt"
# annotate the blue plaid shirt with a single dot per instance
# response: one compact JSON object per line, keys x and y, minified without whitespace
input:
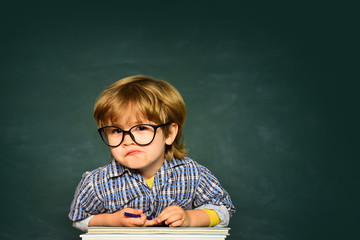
{"x":181,"y":182}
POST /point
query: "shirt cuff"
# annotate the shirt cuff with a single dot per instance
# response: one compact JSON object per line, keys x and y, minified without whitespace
{"x":83,"y":225}
{"x":221,"y":211}
{"x":214,"y":218}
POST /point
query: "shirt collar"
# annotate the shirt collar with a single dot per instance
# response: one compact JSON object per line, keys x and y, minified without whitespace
{"x":116,"y":169}
{"x":174,"y":163}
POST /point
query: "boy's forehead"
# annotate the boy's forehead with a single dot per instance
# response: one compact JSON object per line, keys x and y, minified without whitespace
{"x":128,"y":118}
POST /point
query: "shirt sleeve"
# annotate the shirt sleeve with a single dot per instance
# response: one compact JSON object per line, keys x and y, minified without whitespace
{"x":211,"y":195}
{"x":222,"y":213}
{"x":83,"y":225}
{"x":85,"y":202}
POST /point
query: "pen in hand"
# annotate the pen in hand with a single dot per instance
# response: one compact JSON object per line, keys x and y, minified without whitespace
{"x":135,"y":215}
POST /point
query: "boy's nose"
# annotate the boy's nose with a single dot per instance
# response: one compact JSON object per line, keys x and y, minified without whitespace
{"x":127,"y":140}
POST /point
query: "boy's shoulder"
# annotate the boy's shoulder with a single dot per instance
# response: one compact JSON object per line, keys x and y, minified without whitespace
{"x":108,"y":171}
{"x":187,"y":163}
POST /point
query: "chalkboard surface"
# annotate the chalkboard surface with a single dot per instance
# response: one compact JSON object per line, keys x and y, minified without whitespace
{"x":269,"y":90}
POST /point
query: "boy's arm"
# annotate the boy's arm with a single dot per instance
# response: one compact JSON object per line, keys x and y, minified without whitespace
{"x":177,"y":217}
{"x":221,"y":211}
{"x":118,"y":219}
{"x":86,"y":209}
{"x":211,"y":195}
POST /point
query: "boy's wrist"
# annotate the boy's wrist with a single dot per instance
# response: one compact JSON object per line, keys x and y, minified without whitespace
{"x":197,"y":218}
{"x":102,"y":219}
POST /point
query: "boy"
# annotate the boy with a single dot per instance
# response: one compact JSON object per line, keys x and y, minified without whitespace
{"x":141,"y":120}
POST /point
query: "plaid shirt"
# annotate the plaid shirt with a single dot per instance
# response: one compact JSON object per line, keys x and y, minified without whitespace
{"x":181,"y":182}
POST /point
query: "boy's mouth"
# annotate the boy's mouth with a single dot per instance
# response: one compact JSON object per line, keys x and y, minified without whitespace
{"x":132,"y":152}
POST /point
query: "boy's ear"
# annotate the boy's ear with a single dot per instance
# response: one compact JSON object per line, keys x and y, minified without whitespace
{"x":172,"y":134}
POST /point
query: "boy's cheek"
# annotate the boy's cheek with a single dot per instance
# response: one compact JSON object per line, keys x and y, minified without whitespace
{"x":116,"y":153}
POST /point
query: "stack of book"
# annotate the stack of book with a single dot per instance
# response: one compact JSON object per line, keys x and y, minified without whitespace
{"x":163,"y":233}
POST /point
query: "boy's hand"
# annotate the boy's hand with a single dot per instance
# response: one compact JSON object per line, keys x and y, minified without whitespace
{"x":118,"y":219}
{"x":174,"y":216}
{"x":132,"y":221}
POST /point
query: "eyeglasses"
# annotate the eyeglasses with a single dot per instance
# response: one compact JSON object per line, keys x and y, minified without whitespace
{"x":142,"y":134}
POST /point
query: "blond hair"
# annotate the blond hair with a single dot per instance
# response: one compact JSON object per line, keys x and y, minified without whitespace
{"x":155,"y":100}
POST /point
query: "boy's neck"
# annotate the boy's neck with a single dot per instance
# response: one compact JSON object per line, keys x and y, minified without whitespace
{"x":150,"y":171}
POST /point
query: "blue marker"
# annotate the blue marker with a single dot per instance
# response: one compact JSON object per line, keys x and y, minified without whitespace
{"x":135,"y":215}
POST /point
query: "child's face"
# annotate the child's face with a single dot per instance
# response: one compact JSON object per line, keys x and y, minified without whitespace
{"x":148,"y":159}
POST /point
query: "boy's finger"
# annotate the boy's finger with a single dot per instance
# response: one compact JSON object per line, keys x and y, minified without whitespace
{"x":151,"y":223}
{"x":133,"y":211}
{"x":138,"y":221}
{"x":143,"y":216}
{"x":165,"y":212}
{"x":168,"y":218}
{"x":138,"y":211}
{"x":172,"y":219}
{"x":163,"y":216}
{"x":176,"y":223}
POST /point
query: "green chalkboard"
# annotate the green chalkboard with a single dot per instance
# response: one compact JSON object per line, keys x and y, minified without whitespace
{"x":269,"y":90}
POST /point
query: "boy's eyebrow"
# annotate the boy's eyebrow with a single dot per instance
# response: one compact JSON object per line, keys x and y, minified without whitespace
{"x":130,"y":125}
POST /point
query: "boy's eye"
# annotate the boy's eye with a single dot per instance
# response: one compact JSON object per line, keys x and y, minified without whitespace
{"x":142,"y":128}
{"x":116,"y":131}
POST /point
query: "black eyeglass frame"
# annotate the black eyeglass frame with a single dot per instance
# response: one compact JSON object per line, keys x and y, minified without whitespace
{"x":129,"y":132}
